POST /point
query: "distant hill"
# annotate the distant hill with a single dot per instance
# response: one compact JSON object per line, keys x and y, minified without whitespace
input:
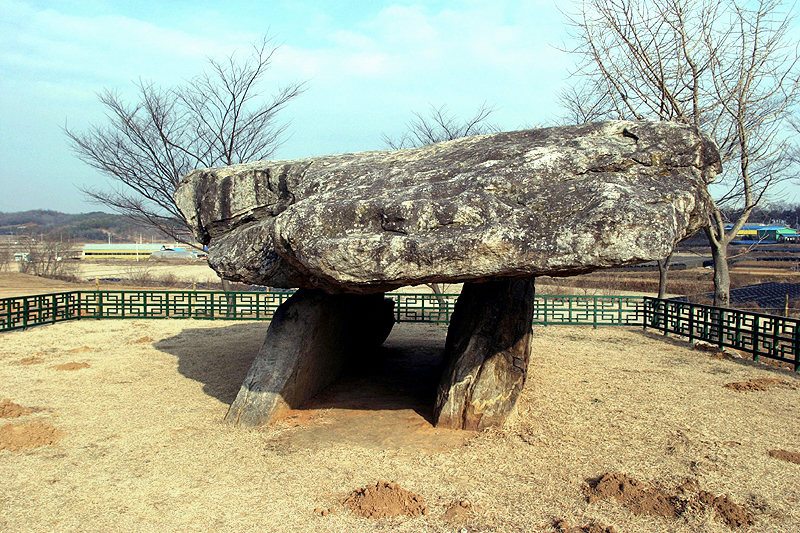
{"x":86,"y":227}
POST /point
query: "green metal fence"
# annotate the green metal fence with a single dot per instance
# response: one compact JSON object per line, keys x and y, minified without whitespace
{"x":26,"y":311}
{"x":588,"y":310}
{"x":774,"y":337}
{"x":762,"y":335}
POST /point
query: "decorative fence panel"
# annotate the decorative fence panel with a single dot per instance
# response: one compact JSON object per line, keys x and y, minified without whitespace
{"x":588,"y":310}
{"x":423,"y":307}
{"x":762,"y":335}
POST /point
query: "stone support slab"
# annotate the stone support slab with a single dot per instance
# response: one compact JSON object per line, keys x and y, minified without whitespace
{"x":308,"y":341}
{"x":487,"y":351}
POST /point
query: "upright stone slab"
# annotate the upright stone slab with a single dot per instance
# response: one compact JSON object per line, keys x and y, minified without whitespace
{"x":308,"y":341}
{"x":487,"y":351}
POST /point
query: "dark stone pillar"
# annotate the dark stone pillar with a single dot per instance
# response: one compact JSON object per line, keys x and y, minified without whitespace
{"x":308,"y":341}
{"x":487,"y":351}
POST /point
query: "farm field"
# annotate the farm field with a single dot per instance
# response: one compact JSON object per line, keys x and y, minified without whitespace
{"x":119,"y":429}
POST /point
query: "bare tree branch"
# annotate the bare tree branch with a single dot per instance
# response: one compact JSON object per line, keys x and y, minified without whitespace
{"x":220,"y":117}
{"x":439,"y":125}
{"x":727,"y":67}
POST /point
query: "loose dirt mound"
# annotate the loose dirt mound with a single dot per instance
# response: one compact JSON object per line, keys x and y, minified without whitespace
{"x":643,"y":499}
{"x":792,"y":457}
{"x":384,"y":500}
{"x":72,"y":366}
{"x":16,"y":437}
{"x":732,"y":514}
{"x":82,"y":349}
{"x":562,"y":526}
{"x":760,"y":384}
{"x":633,"y":494}
{"x":458,"y":511}
{"x":142,"y":340}
{"x":9,"y":409}
{"x":32,"y":360}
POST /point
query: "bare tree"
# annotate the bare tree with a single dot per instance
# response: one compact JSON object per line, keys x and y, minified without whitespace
{"x":440,"y":125}
{"x":728,"y":68}
{"x":221,"y":117}
{"x":48,"y":256}
{"x":5,"y":257}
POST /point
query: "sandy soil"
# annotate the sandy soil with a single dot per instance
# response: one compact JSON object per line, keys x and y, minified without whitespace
{"x":137,"y":442}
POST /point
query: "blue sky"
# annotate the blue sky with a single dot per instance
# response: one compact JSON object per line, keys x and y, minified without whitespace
{"x":368,"y":64}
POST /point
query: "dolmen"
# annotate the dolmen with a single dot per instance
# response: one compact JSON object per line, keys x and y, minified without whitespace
{"x":492,"y":211}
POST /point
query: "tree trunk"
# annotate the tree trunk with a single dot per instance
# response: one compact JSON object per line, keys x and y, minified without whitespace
{"x":722,"y":278}
{"x":663,"y":270}
{"x":487,"y":351}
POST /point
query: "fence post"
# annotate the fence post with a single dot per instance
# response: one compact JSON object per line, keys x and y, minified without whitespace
{"x":756,"y":326}
{"x":691,"y":324}
{"x":796,"y":347}
{"x":25,"y":307}
{"x":645,"y":307}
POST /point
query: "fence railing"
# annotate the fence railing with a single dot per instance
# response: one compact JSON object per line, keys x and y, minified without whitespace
{"x":771,"y":336}
{"x":588,"y":310}
{"x":763,"y":335}
{"x":26,"y":311}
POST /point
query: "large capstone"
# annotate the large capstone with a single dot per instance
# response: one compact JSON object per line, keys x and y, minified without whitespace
{"x":554,"y":201}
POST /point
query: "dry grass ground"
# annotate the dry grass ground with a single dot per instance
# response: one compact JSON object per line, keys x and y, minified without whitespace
{"x":139,"y":446}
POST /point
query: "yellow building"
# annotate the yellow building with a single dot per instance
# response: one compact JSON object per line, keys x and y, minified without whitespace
{"x":139,"y":252}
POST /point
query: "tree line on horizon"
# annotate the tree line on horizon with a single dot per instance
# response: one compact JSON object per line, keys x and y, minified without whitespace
{"x":92,"y":226}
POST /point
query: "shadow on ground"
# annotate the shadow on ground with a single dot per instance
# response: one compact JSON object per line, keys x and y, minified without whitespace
{"x":400,"y":375}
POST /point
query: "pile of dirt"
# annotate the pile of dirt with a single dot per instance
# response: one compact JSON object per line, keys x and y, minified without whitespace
{"x":384,"y":500}
{"x":643,"y":499}
{"x":784,"y":455}
{"x":732,"y":514}
{"x":17,"y":437}
{"x":82,"y":349}
{"x":633,"y":494}
{"x":32,"y":360}
{"x":142,"y":340}
{"x":562,"y":526}
{"x":9,"y":409}
{"x":757,"y":384}
{"x":458,"y":511}
{"x":72,"y":366}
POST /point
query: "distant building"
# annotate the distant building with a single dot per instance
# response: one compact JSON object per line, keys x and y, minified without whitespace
{"x":121,"y":251}
{"x":765,"y":232}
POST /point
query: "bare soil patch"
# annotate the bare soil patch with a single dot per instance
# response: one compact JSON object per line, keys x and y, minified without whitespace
{"x":562,"y":526}
{"x":385,"y":500}
{"x":72,"y":366}
{"x":784,"y":455}
{"x":20,"y":436}
{"x":635,"y":495}
{"x":757,"y":384}
{"x":643,"y":499}
{"x":30,"y":360}
{"x":732,"y":514}
{"x":458,"y":511}
{"x":82,"y":349}
{"x":9,"y":409}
